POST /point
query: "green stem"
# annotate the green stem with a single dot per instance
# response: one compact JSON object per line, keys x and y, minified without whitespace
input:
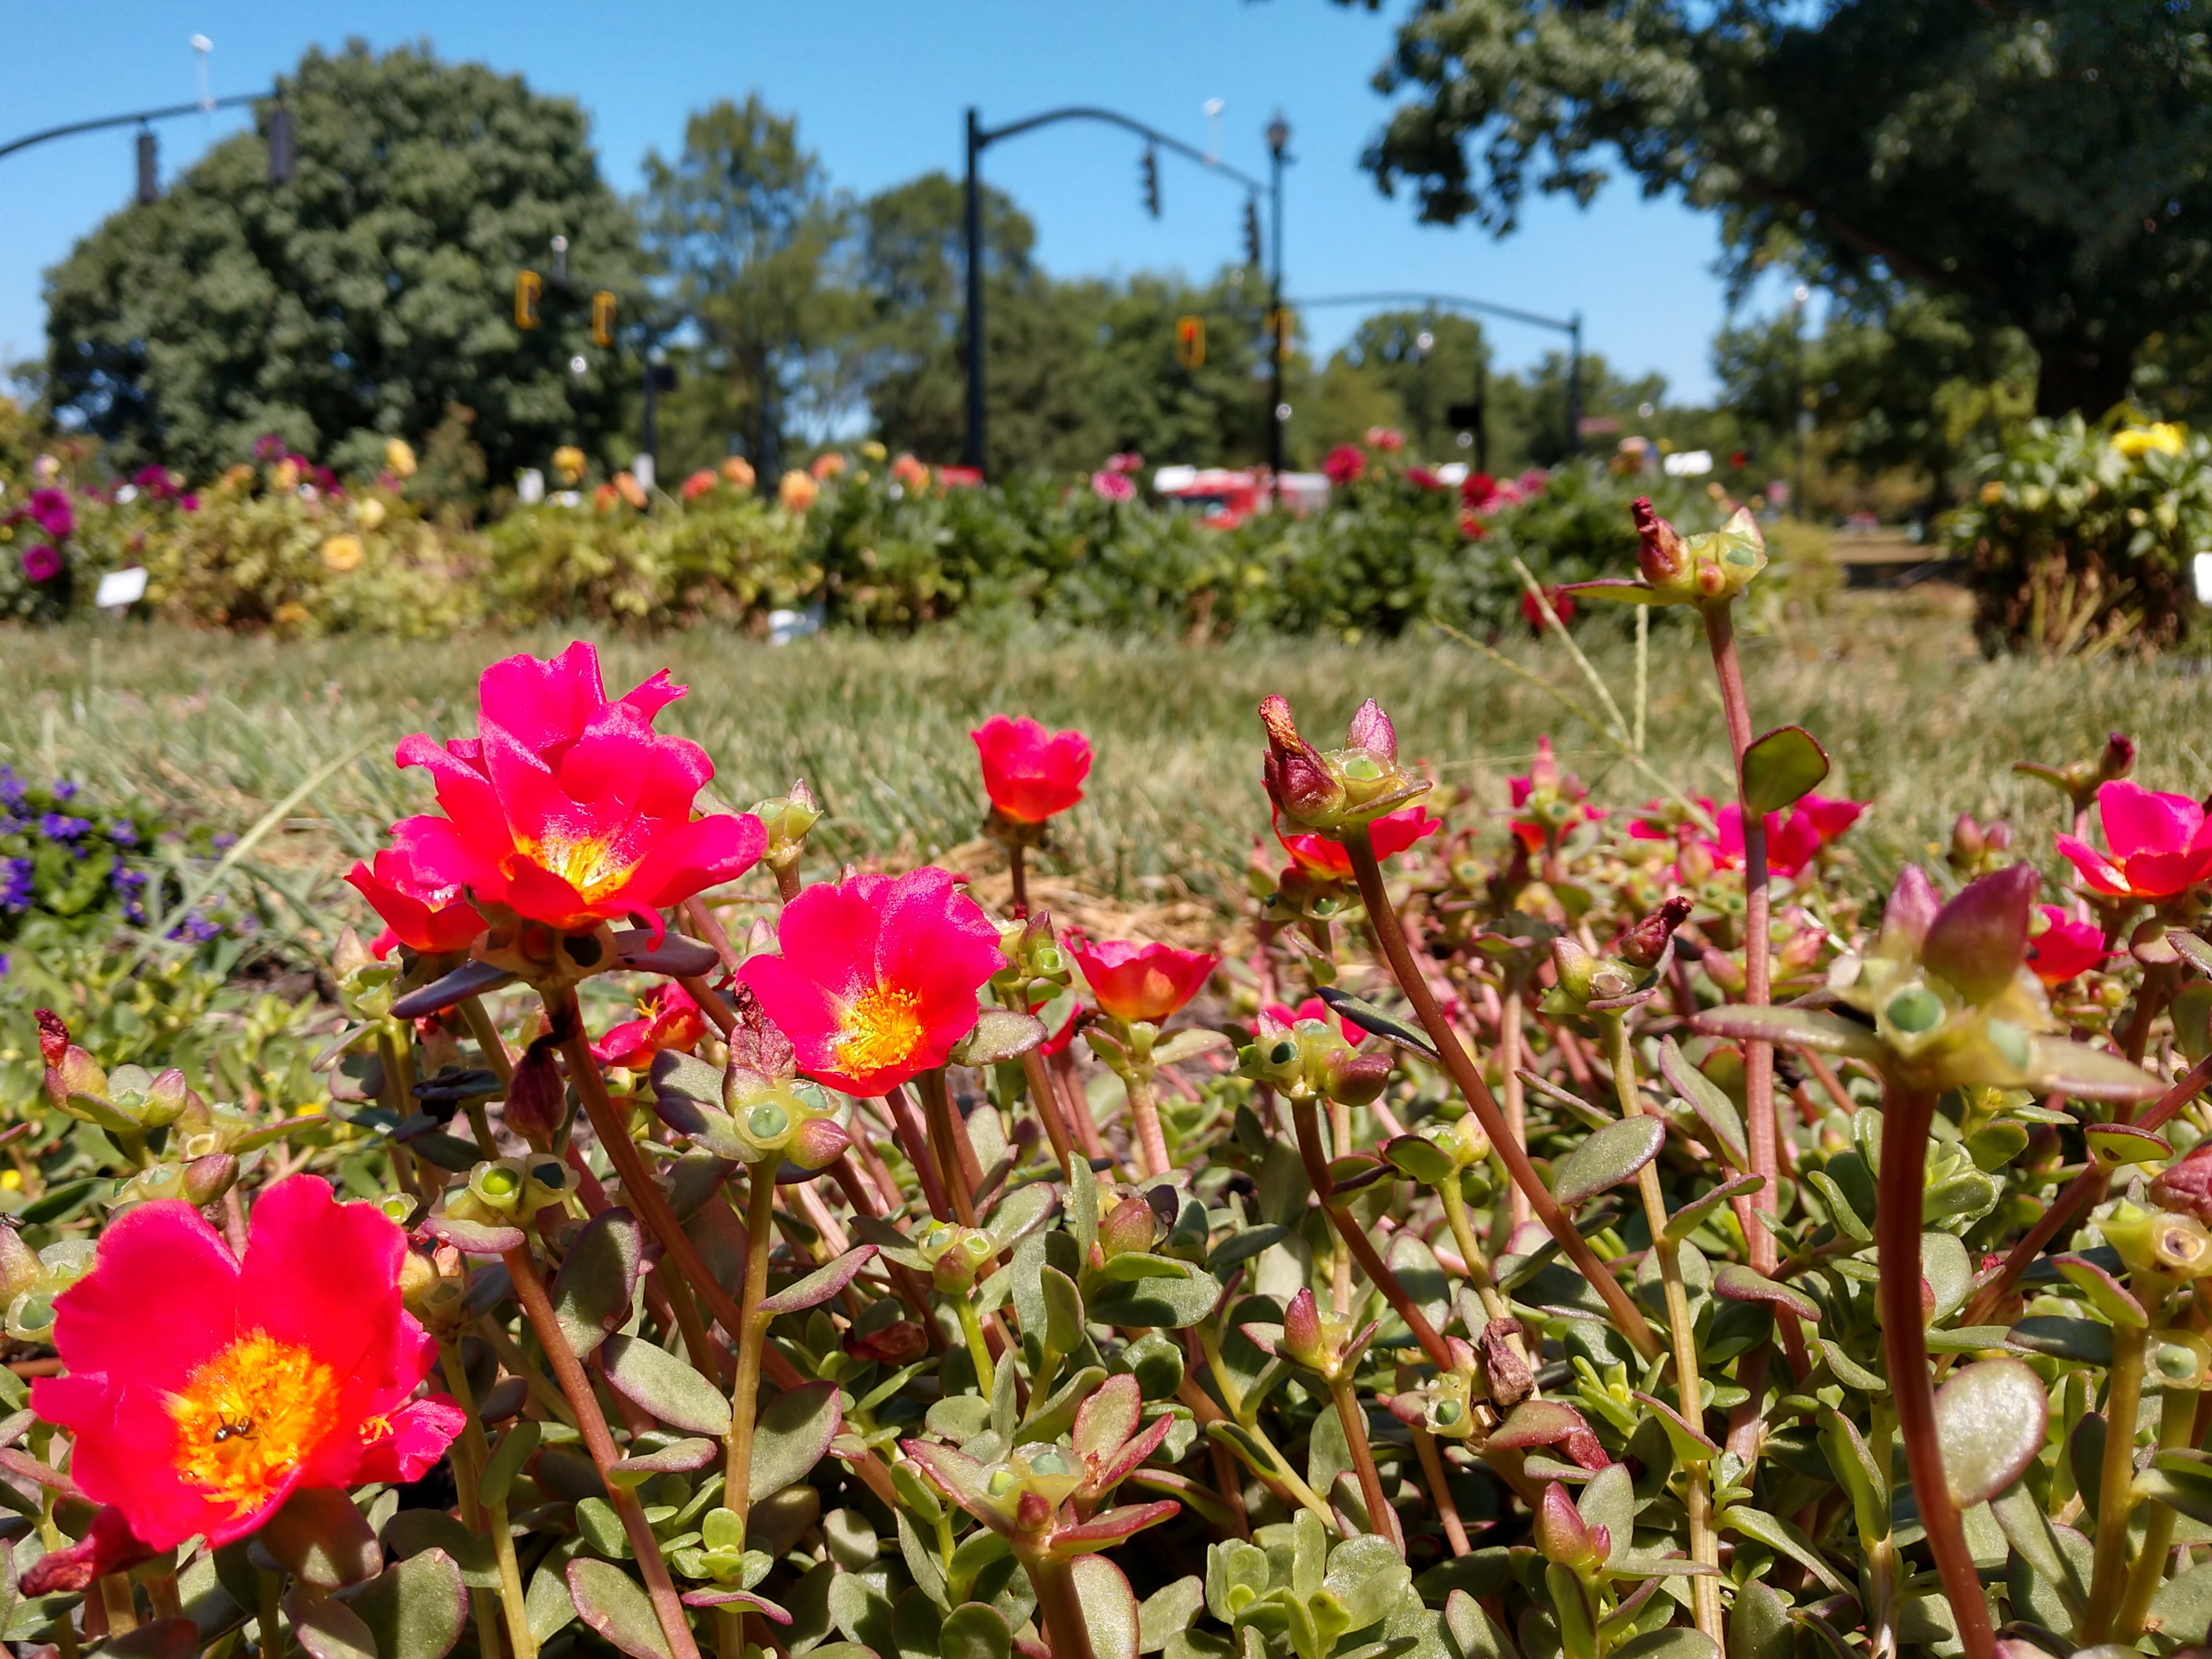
{"x":1704,"y":1543}
{"x":2177,"y":1415}
{"x":592,"y":1426}
{"x":1462,"y":1071}
{"x":471,"y":1452}
{"x":488,"y":1039}
{"x":752,"y":1338}
{"x":271,"y":1585}
{"x":1904,"y":1350}
{"x":971,"y":1327}
{"x":2115,"y":1481}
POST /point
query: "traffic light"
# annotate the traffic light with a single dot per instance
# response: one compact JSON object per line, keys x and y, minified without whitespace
{"x":149,"y":169}
{"x":1251,"y":230}
{"x":284,"y":150}
{"x":529,"y":290}
{"x":603,"y":318}
{"x":1151,"y":177}
{"x":1190,"y":342}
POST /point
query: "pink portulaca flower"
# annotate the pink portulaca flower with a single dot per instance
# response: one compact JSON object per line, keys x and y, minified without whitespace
{"x":425,"y":918}
{"x":568,"y":809}
{"x":1030,"y":774}
{"x":2059,"y":949}
{"x":1135,"y":982}
{"x":2157,"y":844}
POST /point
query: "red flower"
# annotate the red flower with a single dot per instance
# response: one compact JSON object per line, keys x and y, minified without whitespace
{"x":2159,"y":844}
{"x":1320,"y":855}
{"x":568,"y":809}
{"x":668,"y":1018}
{"x":1112,"y":486}
{"x":2059,"y":949}
{"x":1134,"y":981}
{"x":1030,"y":773}
{"x":203,"y":1391}
{"x":1343,"y":464}
{"x":1476,"y":489}
{"x":1388,"y":438}
{"x":1422,"y":478}
{"x":1276,"y":1018}
{"x":1548,"y":802}
{"x":699,"y":482}
{"x":422,"y":915}
{"x":879,"y":977}
{"x":1562,"y":604}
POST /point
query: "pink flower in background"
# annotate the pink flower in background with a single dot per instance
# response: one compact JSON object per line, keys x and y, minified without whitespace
{"x":1110,"y":486}
{"x":1134,"y":981}
{"x":1344,"y":465}
{"x":1548,"y":802}
{"x":2159,"y":844}
{"x":41,"y":563}
{"x":2063,"y":948}
{"x":668,"y":1017}
{"x":1388,"y":438}
{"x":1030,"y":773}
{"x":1324,"y":856}
{"x":1422,"y":478}
{"x":49,"y":509}
{"x":1127,"y":460}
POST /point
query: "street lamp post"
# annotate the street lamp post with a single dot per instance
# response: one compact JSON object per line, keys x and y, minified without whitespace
{"x":1278,"y":139}
{"x":973,"y":455}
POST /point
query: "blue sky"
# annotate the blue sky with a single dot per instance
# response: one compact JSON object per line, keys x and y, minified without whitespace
{"x":879,"y":86}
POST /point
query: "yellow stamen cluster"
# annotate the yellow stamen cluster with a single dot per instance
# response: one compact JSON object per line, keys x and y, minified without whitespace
{"x":248,"y":1417}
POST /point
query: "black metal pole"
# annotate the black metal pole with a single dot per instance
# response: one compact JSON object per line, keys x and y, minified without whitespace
{"x":1574,"y":384}
{"x":974,"y":456}
{"x":652,"y":434}
{"x":1278,"y":137}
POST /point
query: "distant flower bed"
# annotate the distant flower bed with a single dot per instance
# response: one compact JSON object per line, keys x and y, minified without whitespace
{"x":859,"y":539}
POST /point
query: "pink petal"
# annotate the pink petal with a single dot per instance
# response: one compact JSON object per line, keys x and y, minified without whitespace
{"x":323,"y":1275}
{"x":803,"y":1009}
{"x":703,"y":853}
{"x":2138,"y":820}
{"x":419,"y":1437}
{"x":2094,"y":867}
{"x":163,"y":1253}
{"x":544,"y":703}
{"x":829,"y":934}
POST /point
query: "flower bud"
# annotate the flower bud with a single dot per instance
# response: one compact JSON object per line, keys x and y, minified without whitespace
{"x":20,"y":1267}
{"x":1355,"y":1080}
{"x":1303,"y":1337}
{"x":2186,"y":1185}
{"x":1660,"y":553}
{"x":1128,"y":1227}
{"x":207,"y":1179}
{"x":1298,"y":778}
{"x":537,"y":1099}
{"x":53,"y":1036}
{"x":788,"y":819}
{"x":761,"y":1055}
{"x":1643,"y":944}
{"x":1967,"y":844}
{"x":1372,"y":729}
{"x":1561,"y":1534}
{"x":1975,"y":943}
{"x":2118,"y":758}
{"x":1576,"y":967}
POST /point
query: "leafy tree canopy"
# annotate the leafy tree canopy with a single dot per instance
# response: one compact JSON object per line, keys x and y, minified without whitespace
{"x":365,"y":299}
{"x":2047,"y":163}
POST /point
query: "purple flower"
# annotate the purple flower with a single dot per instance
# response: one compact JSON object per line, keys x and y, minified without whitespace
{"x":223,"y":840}
{"x":60,"y":826}
{"x":12,"y":789}
{"x":16,"y":885}
{"x":50,"y":510}
{"x":123,"y":832}
{"x":269,"y":448}
{"x":64,"y":790}
{"x":41,"y":563}
{"x":190,"y":503}
{"x":197,"y":928}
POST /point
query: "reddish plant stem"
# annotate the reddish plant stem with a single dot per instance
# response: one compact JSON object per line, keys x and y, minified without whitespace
{"x":591,"y":1425}
{"x":1018,"y":868}
{"x":1045,"y":1104}
{"x":1076,"y":1105}
{"x":1381,"y":1521}
{"x":712,"y":930}
{"x":682,"y":1263}
{"x":1433,"y":1466}
{"x":1509,"y":1065}
{"x":1463,"y":1071}
{"x":2150,"y":1001}
{"x":948,"y":1139}
{"x":915,"y":1143}
{"x":1304,"y":1113}
{"x":1905,"y":1348}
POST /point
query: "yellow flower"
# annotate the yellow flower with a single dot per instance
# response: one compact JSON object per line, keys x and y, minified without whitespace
{"x":797,"y":492}
{"x":1992,"y":493}
{"x":2162,"y":436}
{"x":284,"y":475}
{"x":341,"y":553}
{"x":11,"y":1181}
{"x":398,"y":458}
{"x":569,"y":463}
{"x":873,"y":451}
{"x":291,"y":614}
{"x":738,"y":472}
{"x":370,"y":513}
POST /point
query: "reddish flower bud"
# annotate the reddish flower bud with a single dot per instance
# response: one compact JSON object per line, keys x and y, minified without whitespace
{"x":1660,"y":553}
{"x":900,"y":1343}
{"x":1372,"y":729}
{"x":761,"y":1055}
{"x":2187,"y":1184}
{"x":2119,"y":758}
{"x":1642,"y":945}
{"x":537,"y":1099}
{"x":1298,"y":778}
{"x":1356,"y":1080}
{"x":1912,"y":905}
{"x":1975,"y":942}
{"x":53,"y":1036}
{"x":1301,"y":1332}
{"x":1127,"y":1227}
{"x":1560,"y":1532}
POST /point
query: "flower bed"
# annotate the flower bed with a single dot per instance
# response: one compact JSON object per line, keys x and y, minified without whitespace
{"x":1484,"y":1252}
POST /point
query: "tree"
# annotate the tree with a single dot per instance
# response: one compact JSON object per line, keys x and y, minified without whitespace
{"x":365,"y":298}
{"x":745,"y":224}
{"x":2048,"y":163}
{"x":1427,"y":361}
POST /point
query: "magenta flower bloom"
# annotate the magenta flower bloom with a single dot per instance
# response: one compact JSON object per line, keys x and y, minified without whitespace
{"x":1134,"y":981}
{"x":1113,"y":487}
{"x":1029,"y":773}
{"x":2058,"y":949}
{"x":203,"y":1390}
{"x":878,"y":976}
{"x":569,"y":809}
{"x":41,"y":563}
{"x":50,"y":510}
{"x":2159,"y":844}
{"x":422,"y":915}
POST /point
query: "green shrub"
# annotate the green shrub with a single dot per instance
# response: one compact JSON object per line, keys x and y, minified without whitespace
{"x":2081,"y":537}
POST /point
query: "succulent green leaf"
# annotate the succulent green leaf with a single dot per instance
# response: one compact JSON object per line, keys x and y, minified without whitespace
{"x":320,"y":1538}
{"x":1609,"y":1157}
{"x":1379,"y":1021}
{"x":1109,"y":1607}
{"x":413,"y":1533}
{"x":1168,"y":1610}
{"x":998,"y":1034}
{"x":593,"y":1290}
{"x":1783,"y":767}
{"x":820,"y":1285}
{"x":1779,"y":1536}
{"x":652,"y":1378}
{"x":974,"y":1631}
{"x":326,"y":1629}
{"x":1734,"y":1282}
{"x":791,"y":1435}
{"x":507,"y":1460}
{"x":1990,"y":1419}
{"x":617,"y":1607}
{"x":1790,"y":1028}
{"x":415,"y":1609}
